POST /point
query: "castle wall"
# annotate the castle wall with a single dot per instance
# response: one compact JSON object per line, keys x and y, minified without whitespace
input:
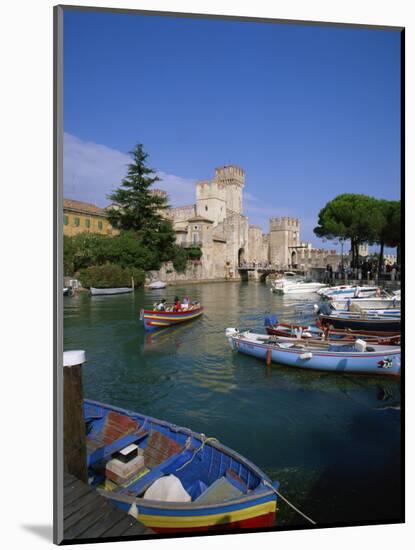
{"x":181,"y":213}
{"x":211,"y":201}
{"x":235,"y":229}
{"x":284,"y":233}
{"x":257,"y":245}
{"x":318,"y":257}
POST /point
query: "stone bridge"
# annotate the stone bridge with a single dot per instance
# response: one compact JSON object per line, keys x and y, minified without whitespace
{"x":256,"y":271}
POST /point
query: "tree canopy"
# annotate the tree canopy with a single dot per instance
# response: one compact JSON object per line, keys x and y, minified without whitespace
{"x":362,"y":219}
{"x":135,"y":205}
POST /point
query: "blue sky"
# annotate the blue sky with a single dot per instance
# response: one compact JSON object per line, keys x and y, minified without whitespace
{"x":309,"y":112}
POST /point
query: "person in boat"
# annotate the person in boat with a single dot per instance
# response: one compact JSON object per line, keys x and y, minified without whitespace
{"x":186,"y":303}
{"x":161,"y":306}
{"x":177,"y":304}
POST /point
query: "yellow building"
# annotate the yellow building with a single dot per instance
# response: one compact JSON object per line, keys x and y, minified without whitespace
{"x":84,"y":217}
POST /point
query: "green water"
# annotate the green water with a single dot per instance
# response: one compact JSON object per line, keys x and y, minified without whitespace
{"x":333,"y":441}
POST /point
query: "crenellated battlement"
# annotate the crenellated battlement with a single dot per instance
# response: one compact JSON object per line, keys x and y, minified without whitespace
{"x":230,"y":175}
{"x":284,"y":223}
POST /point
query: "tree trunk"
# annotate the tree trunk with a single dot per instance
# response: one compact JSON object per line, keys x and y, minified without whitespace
{"x":352,"y":250}
{"x":356,"y":244}
{"x":382,"y":245}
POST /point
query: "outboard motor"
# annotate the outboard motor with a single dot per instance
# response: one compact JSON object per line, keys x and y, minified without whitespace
{"x":270,"y":320}
{"x":324,"y":308}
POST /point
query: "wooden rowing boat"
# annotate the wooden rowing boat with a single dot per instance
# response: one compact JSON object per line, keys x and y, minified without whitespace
{"x":274,"y":327}
{"x":154,"y":319}
{"x":224,"y":490}
{"x":357,"y":322}
{"x":352,"y":358}
{"x":284,"y":330}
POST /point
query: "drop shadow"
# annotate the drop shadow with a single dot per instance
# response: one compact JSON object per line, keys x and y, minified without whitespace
{"x":44,"y":532}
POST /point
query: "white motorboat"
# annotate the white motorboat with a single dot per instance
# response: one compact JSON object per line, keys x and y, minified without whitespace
{"x":296,"y":287}
{"x":349,"y":304}
{"x":350,"y":291}
{"x":157,"y":285}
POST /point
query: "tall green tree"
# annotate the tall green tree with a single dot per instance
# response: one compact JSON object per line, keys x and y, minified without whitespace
{"x":135,"y":206}
{"x":351,"y":216}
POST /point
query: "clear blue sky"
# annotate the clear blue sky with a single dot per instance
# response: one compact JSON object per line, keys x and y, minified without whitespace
{"x":309,"y":112}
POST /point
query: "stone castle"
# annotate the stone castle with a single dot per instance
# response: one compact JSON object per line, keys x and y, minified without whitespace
{"x":217,"y":225}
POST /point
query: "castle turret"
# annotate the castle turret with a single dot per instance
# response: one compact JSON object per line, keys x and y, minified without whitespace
{"x":284,"y":234}
{"x":232,"y":179}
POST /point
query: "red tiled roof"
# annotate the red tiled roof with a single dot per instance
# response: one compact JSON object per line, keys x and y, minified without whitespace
{"x":79,"y":206}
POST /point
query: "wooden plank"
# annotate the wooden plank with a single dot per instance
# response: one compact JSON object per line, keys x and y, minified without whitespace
{"x":68,"y":480}
{"x":123,"y":527}
{"x":78,"y":505}
{"x":136,"y":530}
{"x":112,"y":517}
{"x":90,"y":516}
{"x":75,"y":492}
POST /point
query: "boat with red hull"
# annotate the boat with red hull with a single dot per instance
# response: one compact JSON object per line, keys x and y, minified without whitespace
{"x":154,"y":319}
{"x":283,"y":330}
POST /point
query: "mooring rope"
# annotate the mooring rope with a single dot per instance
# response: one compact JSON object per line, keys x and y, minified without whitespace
{"x":196,"y":451}
{"x":289,"y":503}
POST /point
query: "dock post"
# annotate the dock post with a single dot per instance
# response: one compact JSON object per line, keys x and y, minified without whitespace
{"x":74,"y":438}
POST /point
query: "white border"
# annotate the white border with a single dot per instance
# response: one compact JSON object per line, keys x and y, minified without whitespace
{"x":27,"y":266}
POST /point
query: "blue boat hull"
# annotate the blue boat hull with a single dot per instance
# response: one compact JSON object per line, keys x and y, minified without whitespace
{"x":196,"y":460}
{"x":353,"y":363}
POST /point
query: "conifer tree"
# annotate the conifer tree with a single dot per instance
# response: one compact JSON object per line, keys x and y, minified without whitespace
{"x":135,"y":207}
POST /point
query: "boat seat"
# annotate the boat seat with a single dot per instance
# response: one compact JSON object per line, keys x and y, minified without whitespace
{"x":220,"y":491}
{"x":159,"y":448}
{"x":116,"y":427}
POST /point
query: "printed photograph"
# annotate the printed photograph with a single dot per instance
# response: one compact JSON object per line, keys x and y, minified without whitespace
{"x":231,"y":274}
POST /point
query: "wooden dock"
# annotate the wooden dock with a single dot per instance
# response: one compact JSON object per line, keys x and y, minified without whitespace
{"x":87,"y":515}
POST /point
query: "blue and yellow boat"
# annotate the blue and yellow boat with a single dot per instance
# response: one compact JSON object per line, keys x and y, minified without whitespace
{"x":225,"y":490}
{"x":154,"y":319}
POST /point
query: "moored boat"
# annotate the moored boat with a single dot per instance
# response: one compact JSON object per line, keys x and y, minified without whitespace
{"x":109,"y":291}
{"x":385,"y":320}
{"x":314,"y":333}
{"x":172,"y":479}
{"x":296,"y":287}
{"x":349,"y":304}
{"x":156,"y":285}
{"x":352,"y":358}
{"x":349,"y":291}
{"x":154,"y":319}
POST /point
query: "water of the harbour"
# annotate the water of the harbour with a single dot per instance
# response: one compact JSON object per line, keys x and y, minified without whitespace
{"x":332,"y":441}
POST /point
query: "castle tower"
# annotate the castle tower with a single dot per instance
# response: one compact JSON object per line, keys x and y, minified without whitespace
{"x":283,"y":236}
{"x":232,"y":179}
{"x":210,"y":201}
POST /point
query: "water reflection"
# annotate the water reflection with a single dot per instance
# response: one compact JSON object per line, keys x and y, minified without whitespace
{"x":315,"y":432}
